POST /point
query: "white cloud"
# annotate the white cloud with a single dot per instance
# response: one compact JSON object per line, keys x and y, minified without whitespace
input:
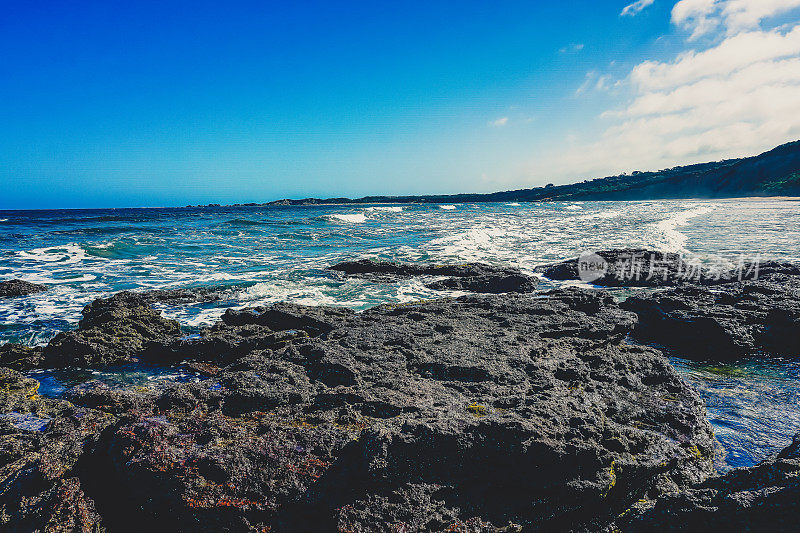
{"x":737,"y":96}
{"x":636,"y":7}
{"x":573,"y":48}
{"x":696,"y":15}
{"x":594,"y":80}
{"x":704,"y":16}
{"x":500,"y":122}
{"x":730,"y":55}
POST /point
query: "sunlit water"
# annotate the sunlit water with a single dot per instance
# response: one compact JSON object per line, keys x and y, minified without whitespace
{"x":281,"y":253}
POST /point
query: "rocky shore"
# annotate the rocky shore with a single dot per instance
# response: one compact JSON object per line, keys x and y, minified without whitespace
{"x":503,"y":410}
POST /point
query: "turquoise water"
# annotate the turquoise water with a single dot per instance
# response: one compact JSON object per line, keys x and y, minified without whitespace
{"x":281,"y":253}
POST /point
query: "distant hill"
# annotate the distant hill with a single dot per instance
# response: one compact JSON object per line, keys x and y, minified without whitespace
{"x":773,"y":173}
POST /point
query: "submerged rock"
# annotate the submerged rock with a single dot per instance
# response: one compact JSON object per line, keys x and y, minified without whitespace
{"x":482,"y":413}
{"x":723,"y":322}
{"x":17,"y":287}
{"x":470,"y":277}
{"x":113,"y":330}
{"x":765,"y":497}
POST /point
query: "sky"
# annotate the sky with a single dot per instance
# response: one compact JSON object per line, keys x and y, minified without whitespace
{"x":106,"y":104}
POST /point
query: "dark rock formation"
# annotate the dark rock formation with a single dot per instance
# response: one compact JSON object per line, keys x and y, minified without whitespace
{"x":407,"y":270}
{"x":17,"y":287}
{"x":41,"y":445}
{"x":20,"y":357}
{"x":638,"y":267}
{"x":471,"y":277}
{"x":765,"y":497}
{"x":627,"y":267}
{"x":483,"y":413}
{"x":764,"y":269}
{"x":113,"y":330}
{"x":184,"y":296}
{"x":723,"y":322}
{"x":490,"y":283}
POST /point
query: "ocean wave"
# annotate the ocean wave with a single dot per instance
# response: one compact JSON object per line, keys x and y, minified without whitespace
{"x":668,"y":238}
{"x":573,"y":207}
{"x":117,"y":249}
{"x":54,"y":220}
{"x":109,"y":230}
{"x":245,"y":222}
{"x":385,"y":208}
{"x":513,"y":204}
{"x":353,"y":218}
{"x":603,"y":215}
{"x":447,"y":207}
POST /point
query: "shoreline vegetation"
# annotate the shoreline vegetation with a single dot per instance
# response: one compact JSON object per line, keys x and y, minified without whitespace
{"x":508,"y":409}
{"x":770,"y":174}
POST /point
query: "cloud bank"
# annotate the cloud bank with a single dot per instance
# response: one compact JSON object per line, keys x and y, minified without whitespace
{"x":738,"y":95}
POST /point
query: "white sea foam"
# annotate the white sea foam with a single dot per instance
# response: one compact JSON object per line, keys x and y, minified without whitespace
{"x":513,"y":204}
{"x":478,"y":243}
{"x":353,"y":218}
{"x":67,"y":254}
{"x":573,"y":207}
{"x":667,"y":236}
{"x":385,"y":208}
{"x":303,"y":293}
{"x":447,"y":207}
{"x":602,"y":215}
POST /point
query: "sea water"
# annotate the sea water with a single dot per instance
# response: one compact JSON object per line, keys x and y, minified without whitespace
{"x":279,"y":253}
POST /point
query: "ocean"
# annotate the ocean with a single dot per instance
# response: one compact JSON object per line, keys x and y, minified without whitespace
{"x":279,"y":253}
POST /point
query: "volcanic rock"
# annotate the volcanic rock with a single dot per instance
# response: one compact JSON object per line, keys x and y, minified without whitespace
{"x":19,"y":357}
{"x":485,"y":413}
{"x":723,"y":322}
{"x":765,"y":497}
{"x":639,"y":267}
{"x":113,"y":330}
{"x":17,"y":287}
{"x":627,"y":267}
{"x":470,"y":277}
{"x":42,"y":443}
{"x":407,"y":270}
{"x":184,"y":296}
{"x":489,"y":283}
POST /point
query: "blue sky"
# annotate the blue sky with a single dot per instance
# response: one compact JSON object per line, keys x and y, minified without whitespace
{"x":168,"y":103}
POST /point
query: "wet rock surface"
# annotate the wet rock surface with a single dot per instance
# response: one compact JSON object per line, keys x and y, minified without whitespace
{"x":469,"y":277}
{"x":482,"y":413}
{"x":490,"y":283}
{"x":366,"y":267}
{"x":42,"y":444}
{"x":726,"y":321}
{"x":639,"y":267}
{"x":113,"y":330}
{"x":19,"y":357}
{"x":185,"y":296}
{"x":17,"y":287}
{"x":765,"y":497}
{"x":625,"y":267}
